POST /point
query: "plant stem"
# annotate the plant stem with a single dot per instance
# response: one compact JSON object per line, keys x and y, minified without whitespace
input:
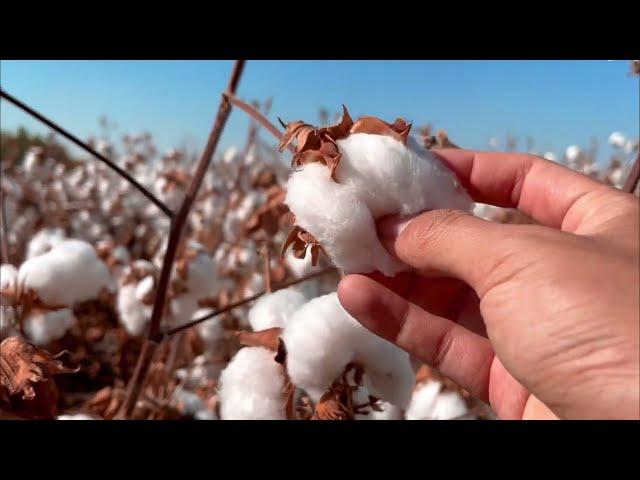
{"x":244,"y":301}
{"x":177,"y":224}
{"x":632,"y":180}
{"x":51,"y":124}
{"x":255,"y":114}
{"x":4,"y":234}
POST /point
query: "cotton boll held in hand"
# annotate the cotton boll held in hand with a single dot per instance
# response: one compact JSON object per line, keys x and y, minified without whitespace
{"x":43,"y":326}
{"x":449,"y":405}
{"x":274,"y":309}
{"x":252,"y":387}
{"x":350,"y":175}
{"x":67,"y":274}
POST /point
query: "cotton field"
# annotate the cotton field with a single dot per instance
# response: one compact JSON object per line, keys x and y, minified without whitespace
{"x":244,"y":323}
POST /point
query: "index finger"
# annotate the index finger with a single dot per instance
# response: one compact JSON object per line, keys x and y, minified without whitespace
{"x":544,"y":190}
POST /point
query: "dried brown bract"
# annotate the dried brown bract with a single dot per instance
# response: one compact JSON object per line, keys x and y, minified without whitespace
{"x":26,"y":378}
{"x":299,"y":240}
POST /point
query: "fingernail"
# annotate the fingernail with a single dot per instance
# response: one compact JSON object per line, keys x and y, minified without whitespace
{"x":391,"y":227}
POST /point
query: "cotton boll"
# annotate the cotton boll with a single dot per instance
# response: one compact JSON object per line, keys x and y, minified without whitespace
{"x":205,"y":415}
{"x":69,"y":273}
{"x":392,"y":178}
{"x":319,"y":338}
{"x":144,"y":288}
{"x":550,"y":156}
{"x":274,"y":309}
{"x":133,"y":314}
{"x":252,"y":386}
{"x":339,"y":220}
{"x":45,"y":240}
{"x":43,"y":327}
{"x":423,"y":401}
{"x":389,"y":412}
{"x":388,"y":369}
{"x":76,"y":416}
{"x":617,"y":139}
{"x":188,"y":402}
{"x":300,"y":267}
{"x":231,"y":155}
{"x":631,"y":146}
{"x":254,"y":285}
{"x":573,"y":152}
{"x":8,"y":281}
{"x":377,"y":176}
{"x":449,"y":405}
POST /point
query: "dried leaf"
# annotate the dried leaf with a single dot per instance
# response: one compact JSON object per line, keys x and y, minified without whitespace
{"x":22,"y":366}
{"x":269,"y":338}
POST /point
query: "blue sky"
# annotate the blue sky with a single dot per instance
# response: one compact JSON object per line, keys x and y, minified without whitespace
{"x":558,"y":103}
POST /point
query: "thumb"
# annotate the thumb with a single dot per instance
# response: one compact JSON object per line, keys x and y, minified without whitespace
{"x":450,"y":243}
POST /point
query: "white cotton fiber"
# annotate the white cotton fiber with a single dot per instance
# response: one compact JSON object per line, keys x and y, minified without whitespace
{"x":45,"y":240}
{"x":43,"y":327}
{"x":67,"y":274}
{"x":321,"y":338}
{"x":133,"y":314}
{"x":377,"y":176}
{"x":388,"y":369}
{"x":274,"y":309}
{"x":76,"y":416}
{"x":252,"y":387}
{"x":423,"y":400}
{"x":449,"y":405}
{"x":8,"y":279}
{"x":429,"y":402}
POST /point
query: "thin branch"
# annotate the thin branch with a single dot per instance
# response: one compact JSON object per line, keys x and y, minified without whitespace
{"x":633,"y":178}
{"x":267,"y":267}
{"x":255,"y":114}
{"x":165,"y":209}
{"x":4,"y":232}
{"x":244,"y":301}
{"x":177,"y":224}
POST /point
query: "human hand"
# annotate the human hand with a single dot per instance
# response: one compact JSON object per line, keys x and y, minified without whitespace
{"x":536,"y":319}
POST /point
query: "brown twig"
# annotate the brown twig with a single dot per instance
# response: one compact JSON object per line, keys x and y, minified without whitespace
{"x":4,"y":233}
{"x":177,"y":225}
{"x":255,"y":114}
{"x":633,"y":178}
{"x":267,"y":267}
{"x":88,"y":149}
{"x":244,"y":301}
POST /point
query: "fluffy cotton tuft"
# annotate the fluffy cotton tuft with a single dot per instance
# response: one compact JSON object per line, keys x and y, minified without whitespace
{"x":428,"y":402}
{"x":617,"y":139}
{"x":67,"y":274}
{"x":44,"y":241}
{"x":274,"y":309}
{"x":43,"y":327}
{"x":8,"y":279}
{"x":252,"y":387}
{"x":76,"y":416}
{"x":573,"y":152}
{"x":133,"y":314}
{"x":321,"y":338}
{"x":377,"y":176}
